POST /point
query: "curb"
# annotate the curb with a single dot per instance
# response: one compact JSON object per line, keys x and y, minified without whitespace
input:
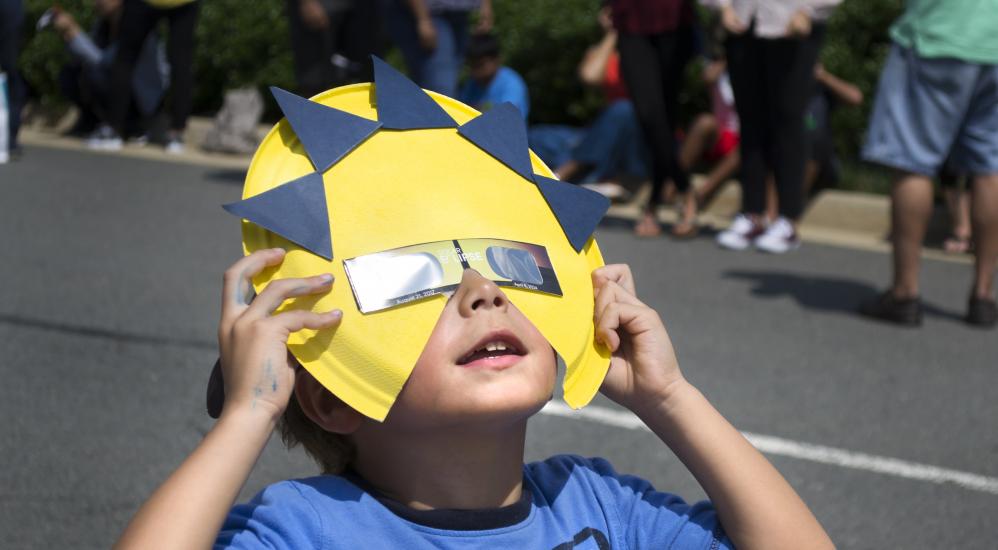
{"x":834,"y":217}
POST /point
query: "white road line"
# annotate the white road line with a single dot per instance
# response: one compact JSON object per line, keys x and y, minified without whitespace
{"x":805,"y":451}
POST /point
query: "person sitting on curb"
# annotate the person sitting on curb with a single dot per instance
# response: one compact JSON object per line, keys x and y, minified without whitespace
{"x":85,"y":81}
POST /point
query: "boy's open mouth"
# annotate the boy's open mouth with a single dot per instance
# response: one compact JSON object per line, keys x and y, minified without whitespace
{"x":493,"y":345}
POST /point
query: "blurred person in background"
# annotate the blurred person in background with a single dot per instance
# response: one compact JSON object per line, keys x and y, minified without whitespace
{"x":11,"y":17}
{"x":712,"y":138}
{"x":612,"y":147}
{"x":332,"y":41}
{"x":432,"y":36}
{"x":822,"y":168}
{"x":85,"y":80}
{"x":772,"y":48}
{"x":138,"y":19}
{"x":655,"y":41}
{"x":829,"y":93}
{"x":489,"y":81}
{"x":938,"y":98}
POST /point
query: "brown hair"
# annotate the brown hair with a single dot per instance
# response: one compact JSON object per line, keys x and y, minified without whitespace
{"x":331,"y":451}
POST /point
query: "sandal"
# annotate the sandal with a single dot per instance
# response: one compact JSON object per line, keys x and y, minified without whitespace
{"x":647,"y":227}
{"x":685,"y":227}
{"x":956,"y":244}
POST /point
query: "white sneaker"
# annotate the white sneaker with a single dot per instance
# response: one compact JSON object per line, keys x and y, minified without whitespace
{"x":740,"y":234}
{"x":104,"y":138}
{"x":780,"y":237}
{"x":175,"y":147}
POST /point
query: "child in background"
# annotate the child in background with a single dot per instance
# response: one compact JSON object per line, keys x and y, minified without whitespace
{"x":713,"y":137}
{"x":491,"y":82}
{"x":86,"y":80}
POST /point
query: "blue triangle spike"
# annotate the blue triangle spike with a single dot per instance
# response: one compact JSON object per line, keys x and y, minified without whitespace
{"x":402,"y":105}
{"x":578,"y":209}
{"x":327,"y":134}
{"x":501,"y":133}
{"x":295,"y":210}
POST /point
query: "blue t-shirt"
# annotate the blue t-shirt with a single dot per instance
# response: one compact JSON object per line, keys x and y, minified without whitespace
{"x":506,"y":85}
{"x":569,"y":502}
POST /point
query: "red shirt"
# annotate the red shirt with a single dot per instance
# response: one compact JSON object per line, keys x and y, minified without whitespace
{"x":613,"y":85}
{"x":650,"y":16}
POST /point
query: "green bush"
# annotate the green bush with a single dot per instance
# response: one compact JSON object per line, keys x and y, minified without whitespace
{"x":242,"y":43}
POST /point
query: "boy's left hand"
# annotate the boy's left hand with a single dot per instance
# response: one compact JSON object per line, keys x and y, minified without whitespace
{"x":644,"y":365}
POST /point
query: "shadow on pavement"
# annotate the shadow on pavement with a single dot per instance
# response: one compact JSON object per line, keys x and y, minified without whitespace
{"x":226,"y":176}
{"x":831,"y":294}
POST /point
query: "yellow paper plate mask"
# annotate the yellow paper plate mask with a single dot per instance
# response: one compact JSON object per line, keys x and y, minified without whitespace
{"x":367,"y":168}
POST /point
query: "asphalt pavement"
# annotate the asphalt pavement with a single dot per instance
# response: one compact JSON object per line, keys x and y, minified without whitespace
{"x":109,"y":298}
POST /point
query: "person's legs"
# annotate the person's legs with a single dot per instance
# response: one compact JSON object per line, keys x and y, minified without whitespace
{"x":641,"y":71}
{"x":401,"y":26}
{"x":722,"y":170}
{"x":607,"y":146}
{"x":137,"y":20}
{"x":911,"y":208}
{"x":984,"y":219}
{"x":745,"y":68}
{"x":790,"y":78}
{"x":553,"y":143}
{"x":700,"y":136}
{"x":180,"y":53}
{"x":359,"y":37}
{"x":311,"y":50}
{"x":443,"y":65}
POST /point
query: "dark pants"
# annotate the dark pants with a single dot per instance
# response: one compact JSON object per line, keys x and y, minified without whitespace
{"x":90,"y":97}
{"x":138,"y":19}
{"x":652,"y":67}
{"x":352,"y":33}
{"x":772,"y":80}
{"x":11,"y":17}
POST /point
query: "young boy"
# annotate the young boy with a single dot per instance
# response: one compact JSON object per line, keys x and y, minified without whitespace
{"x":445,"y":469}
{"x":490,"y":82}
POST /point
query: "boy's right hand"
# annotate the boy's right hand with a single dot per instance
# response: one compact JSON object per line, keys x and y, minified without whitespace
{"x":257,"y":369}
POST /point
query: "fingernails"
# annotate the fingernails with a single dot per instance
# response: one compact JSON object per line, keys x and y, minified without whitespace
{"x":336,"y":313}
{"x":326,"y":278}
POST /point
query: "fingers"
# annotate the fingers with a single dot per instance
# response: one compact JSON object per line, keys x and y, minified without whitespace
{"x":293,"y":321}
{"x":237,"y":284}
{"x":610,"y":293}
{"x":618,"y":273}
{"x":614,"y":316}
{"x":280,"y":290}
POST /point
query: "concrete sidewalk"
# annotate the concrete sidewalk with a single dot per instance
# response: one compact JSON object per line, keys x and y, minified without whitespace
{"x":835,"y":217}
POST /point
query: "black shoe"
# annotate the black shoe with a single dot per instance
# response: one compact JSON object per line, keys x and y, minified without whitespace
{"x":982,"y":312}
{"x":906,"y":312}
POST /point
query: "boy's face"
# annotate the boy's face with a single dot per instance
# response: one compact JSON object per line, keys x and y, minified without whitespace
{"x":482,"y":70}
{"x":459,"y":381}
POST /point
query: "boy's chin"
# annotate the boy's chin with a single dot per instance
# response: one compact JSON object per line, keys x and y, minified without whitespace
{"x":479,"y":407}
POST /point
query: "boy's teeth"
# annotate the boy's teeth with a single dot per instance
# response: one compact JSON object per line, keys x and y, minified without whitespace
{"x":490,"y":347}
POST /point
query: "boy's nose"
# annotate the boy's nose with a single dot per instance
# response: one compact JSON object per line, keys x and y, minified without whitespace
{"x":477,"y":292}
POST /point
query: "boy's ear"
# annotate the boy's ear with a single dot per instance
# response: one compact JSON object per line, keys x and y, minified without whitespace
{"x":323,"y":408}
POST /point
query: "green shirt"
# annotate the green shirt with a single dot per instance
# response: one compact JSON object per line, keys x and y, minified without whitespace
{"x":961,"y":29}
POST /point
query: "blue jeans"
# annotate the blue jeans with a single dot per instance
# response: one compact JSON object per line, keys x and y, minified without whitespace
{"x":613,"y":146}
{"x":437,"y":70}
